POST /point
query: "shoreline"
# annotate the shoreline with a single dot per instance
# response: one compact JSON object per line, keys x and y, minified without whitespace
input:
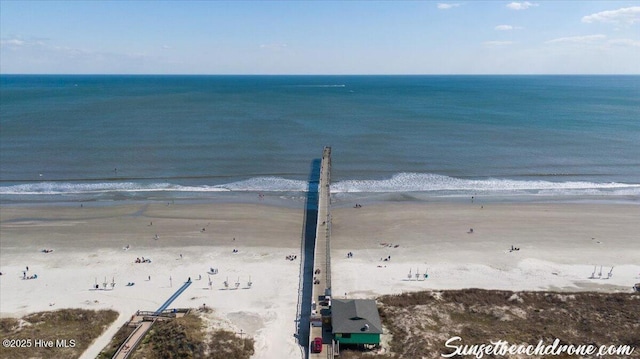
{"x":560,"y":243}
{"x":297,"y":199}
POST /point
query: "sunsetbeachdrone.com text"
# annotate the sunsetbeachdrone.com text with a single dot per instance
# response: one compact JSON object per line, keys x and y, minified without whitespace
{"x":501,"y":347}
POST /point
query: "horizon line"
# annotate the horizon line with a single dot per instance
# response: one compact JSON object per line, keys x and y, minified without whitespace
{"x":327,"y":74}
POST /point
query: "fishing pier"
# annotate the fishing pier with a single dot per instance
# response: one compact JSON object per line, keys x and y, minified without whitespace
{"x":321,"y":292}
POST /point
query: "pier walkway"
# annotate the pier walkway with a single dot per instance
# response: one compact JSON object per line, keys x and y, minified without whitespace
{"x":320,"y":308}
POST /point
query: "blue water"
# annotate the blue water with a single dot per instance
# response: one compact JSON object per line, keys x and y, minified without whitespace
{"x":104,"y":138}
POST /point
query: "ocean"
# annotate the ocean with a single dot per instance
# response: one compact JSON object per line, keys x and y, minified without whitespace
{"x":111,"y":138}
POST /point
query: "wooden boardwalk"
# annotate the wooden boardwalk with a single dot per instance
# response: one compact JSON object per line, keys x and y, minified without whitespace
{"x":133,"y":340}
{"x":145,"y":320}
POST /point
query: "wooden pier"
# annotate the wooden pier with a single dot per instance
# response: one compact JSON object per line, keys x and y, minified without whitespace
{"x":320,"y":306}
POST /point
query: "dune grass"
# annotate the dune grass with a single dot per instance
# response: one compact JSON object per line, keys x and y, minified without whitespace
{"x":185,"y":337}
{"x":64,"y":333}
{"x":420,"y":323}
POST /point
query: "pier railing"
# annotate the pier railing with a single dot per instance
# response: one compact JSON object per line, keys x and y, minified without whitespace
{"x":327,"y":198}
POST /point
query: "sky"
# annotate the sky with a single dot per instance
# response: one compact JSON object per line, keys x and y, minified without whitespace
{"x":319,"y":37}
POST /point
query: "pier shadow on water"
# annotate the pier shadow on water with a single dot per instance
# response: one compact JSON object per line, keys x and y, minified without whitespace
{"x":308,"y":246}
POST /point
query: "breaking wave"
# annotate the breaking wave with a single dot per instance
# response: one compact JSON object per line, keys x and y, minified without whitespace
{"x":426,"y":182}
{"x":58,"y":188}
{"x":402,"y":182}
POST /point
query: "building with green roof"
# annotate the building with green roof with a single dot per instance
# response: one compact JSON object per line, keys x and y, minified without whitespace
{"x":355,"y":321}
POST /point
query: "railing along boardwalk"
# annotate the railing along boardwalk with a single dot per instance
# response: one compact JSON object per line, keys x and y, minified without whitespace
{"x":133,"y":340}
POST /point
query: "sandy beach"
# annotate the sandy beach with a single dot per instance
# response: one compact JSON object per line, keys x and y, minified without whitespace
{"x":559,"y":247}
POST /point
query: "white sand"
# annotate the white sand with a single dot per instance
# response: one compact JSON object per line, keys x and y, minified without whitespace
{"x":88,"y":247}
{"x":559,"y":246}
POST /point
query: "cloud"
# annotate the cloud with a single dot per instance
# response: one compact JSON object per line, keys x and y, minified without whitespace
{"x":443,"y":6}
{"x":587,"y":39}
{"x":598,"y":41}
{"x":623,"y":16}
{"x":273,"y":46}
{"x":17,"y":42}
{"x":498,"y":43}
{"x":41,"y":55}
{"x":624,"y":43}
{"x":503,"y":27}
{"x":521,"y":5}
{"x":12,"y":42}
{"x":507,"y":27}
{"x":166,"y":47}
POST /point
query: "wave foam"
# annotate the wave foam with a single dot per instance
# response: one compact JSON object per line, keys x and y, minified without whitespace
{"x":401,"y":182}
{"x":268,"y":184}
{"x":427,"y":182}
{"x":274,"y":184}
{"x":56,"y":188}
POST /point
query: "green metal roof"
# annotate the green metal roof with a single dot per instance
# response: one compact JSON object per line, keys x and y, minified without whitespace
{"x":355,"y":316}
